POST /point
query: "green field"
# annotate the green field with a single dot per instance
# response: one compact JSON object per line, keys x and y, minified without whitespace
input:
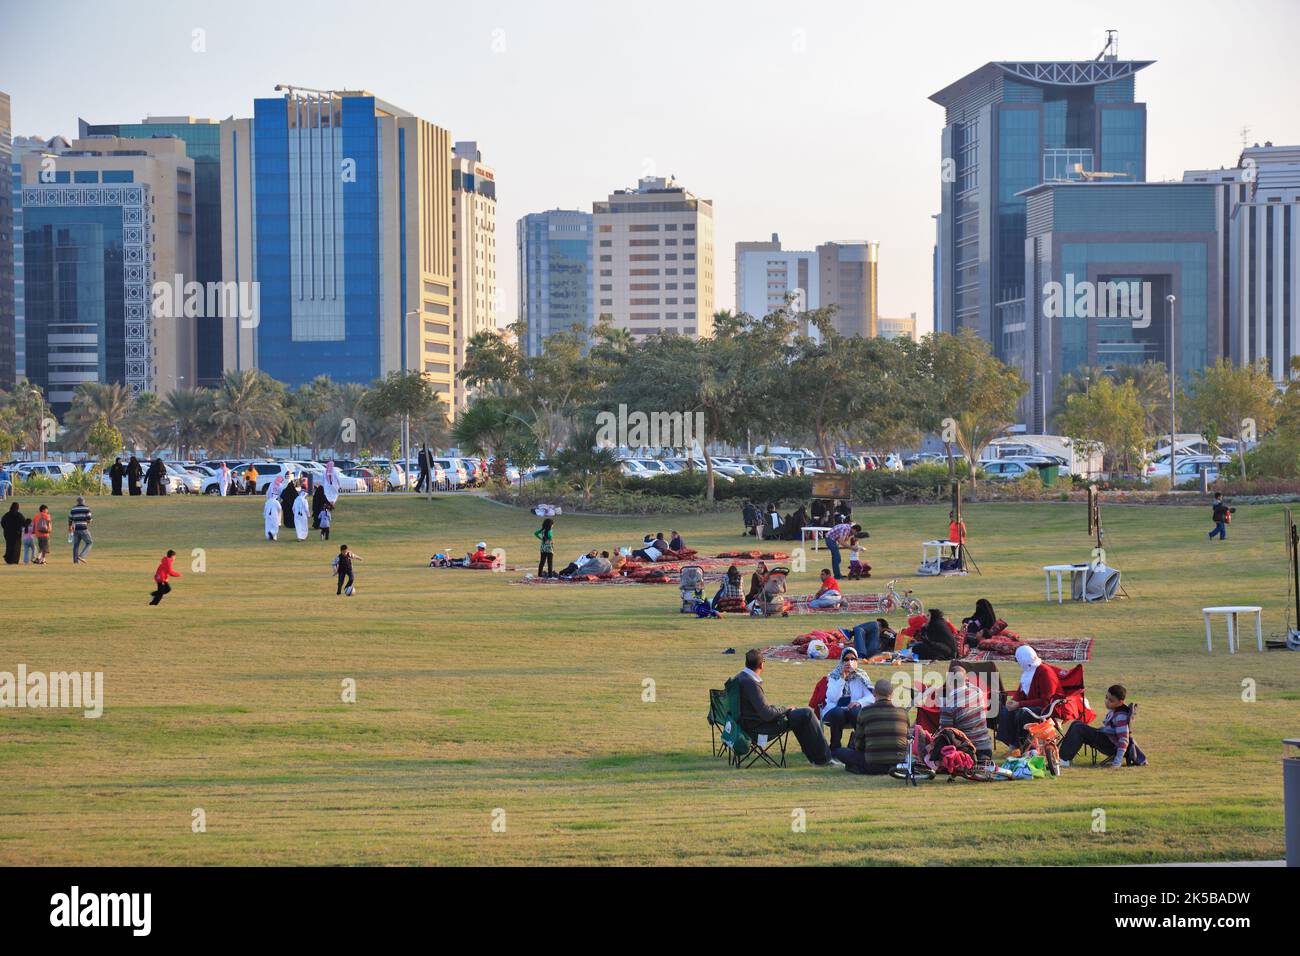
{"x":476,"y":695}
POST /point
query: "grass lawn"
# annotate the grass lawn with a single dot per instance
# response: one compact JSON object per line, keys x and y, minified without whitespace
{"x":475,"y":695}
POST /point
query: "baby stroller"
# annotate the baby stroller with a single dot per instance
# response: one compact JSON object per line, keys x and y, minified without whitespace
{"x":772,"y":600}
{"x":690,"y":584}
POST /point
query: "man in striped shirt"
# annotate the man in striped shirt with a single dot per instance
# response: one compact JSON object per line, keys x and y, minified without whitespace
{"x":79,"y":519}
{"x":965,"y":708}
{"x":838,"y":536}
{"x":880,"y":742}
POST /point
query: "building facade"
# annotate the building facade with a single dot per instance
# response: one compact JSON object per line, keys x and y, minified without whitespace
{"x":101,"y":222}
{"x":474,"y":253}
{"x":1010,"y":126}
{"x":555,"y":274}
{"x":654,"y":259}
{"x":1258,"y":211}
{"x":8,"y":351}
{"x":847,"y":280}
{"x":767,"y":276}
{"x":897,"y":328}
{"x":22,"y":147}
{"x":1102,"y":260}
{"x":202,"y":139}
{"x":336,"y":213}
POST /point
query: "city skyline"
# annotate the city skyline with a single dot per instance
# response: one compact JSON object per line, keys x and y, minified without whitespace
{"x":787,"y":132}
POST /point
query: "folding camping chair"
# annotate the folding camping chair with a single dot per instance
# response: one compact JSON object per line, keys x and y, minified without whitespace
{"x":743,"y":749}
{"x":717,"y":721}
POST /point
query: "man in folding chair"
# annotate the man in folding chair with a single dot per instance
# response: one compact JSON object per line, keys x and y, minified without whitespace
{"x":758,"y":717}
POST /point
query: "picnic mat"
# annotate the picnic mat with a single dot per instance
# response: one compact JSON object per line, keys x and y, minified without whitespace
{"x":1065,"y":650}
{"x":714,"y":569}
{"x":857,"y":604}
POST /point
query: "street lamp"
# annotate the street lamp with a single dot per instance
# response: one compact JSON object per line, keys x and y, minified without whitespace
{"x":1173,"y":452}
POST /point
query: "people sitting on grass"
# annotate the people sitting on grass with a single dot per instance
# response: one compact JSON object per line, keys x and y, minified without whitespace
{"x":758,"y":717}
{"x":879,"y":741}
{"x":751,"y":519}
{"x":848,"y":690}
{"x":578,"y":564}
{"x":938,"y":641}
{"x":1039,"y":686}
{"x":858,"y":567}
{"x":1112,"y":738}
{"x":729,"y":589}
{"x":480,"y":555}
{"x":981,"y":624}
{"x":675,"y":543}
{"x":654,"y":549}
{"x":756,"y":582}
{"x":828,"y":595}
{"x":873,"y":637}
{"x":965,"y":706}
{"x":598,"y":565}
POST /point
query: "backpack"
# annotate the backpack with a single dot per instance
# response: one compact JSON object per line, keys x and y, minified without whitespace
{"x":946,"y":737}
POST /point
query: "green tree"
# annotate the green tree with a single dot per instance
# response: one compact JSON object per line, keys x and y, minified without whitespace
{"x":145,"y":425}
{"x":1228,"y":399}
{"x":29,"y":415}
{"x":491,"y":428}
{"x":91,"y":402}
{"x":188,"y":416}
{"x":105,"y":441}
{"x":408,"y":396}
{"x":1108,"y":416}
{"x":247,"y":410}
{"x":585,"y":464}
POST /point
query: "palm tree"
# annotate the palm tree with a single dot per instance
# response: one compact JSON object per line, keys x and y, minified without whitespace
{"x":145,"y":425}
{"x":347,"y":423}
{"x":247,"y":409}
{"x":189,"y":412}
{"x":92,"y":401}
{"x":31,"y":414}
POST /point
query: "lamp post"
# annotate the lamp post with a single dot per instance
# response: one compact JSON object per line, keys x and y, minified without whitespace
{"x":1173,"y":451}
{"x":406,"y":418}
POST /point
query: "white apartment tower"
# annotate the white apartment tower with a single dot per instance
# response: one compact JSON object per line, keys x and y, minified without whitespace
{"x":653,"y":255}
{"x":474,"y":252}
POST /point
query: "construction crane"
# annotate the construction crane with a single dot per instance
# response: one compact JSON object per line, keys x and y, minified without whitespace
{"x":1088,"y":175}
{"x":1111,"y":50}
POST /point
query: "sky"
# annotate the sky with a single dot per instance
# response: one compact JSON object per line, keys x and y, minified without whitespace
{"x":811,"y":120}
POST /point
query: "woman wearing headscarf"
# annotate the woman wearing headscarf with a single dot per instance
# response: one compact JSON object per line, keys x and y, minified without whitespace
{"x":12,"y":524}
{"x":319,"y":503}
{"x":848,"y":690}
{"x":1039,"y":685}
{"x":938,"y":642}
{"x":980,"y":624}
{"x":154,"y":478}
{"x":133,"y":474}
{"x":288,"y":496}
{"x":756,"y":582}
{"x":730,"y":587}
{"x":115,"y":475}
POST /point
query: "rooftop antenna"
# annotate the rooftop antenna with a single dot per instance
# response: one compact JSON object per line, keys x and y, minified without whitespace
{"x":1245,"y":137}
{"x":1111,"y":50}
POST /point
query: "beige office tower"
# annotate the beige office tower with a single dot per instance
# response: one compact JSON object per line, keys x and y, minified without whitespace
{"x":896,"y":328}
{"x":336,"y":209}
{"x":474,"y":253}
{"x":654,"y":259}
{"x":847,"y":280}
{"x":118,"y":216}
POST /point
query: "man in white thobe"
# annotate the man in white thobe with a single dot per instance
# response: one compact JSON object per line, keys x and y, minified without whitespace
{"x":302,"y":515}
{"x":271,"y":517}
{"x":223,"y":479}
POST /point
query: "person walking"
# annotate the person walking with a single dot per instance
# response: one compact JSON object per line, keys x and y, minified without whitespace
{"x":546,"y":559}
{"x":1221,"y":516}
{"x":133,"y":475}
{"x":343,"y":565}
{"x":41,"y":527}
{"x":79,"y":519}
{"x":324,"y":525}
{"x":155,"y":479}
{"x":166,"y":569}
{"x":271,"y":516}
{"x":12,"y":523}
{"x":223,"y":479}
{"x":302,"y":515}
{"x":425,"y":481}
{"x":116,"y":472}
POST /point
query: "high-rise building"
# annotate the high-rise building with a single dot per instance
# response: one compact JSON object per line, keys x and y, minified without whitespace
{"x":555,"y":274}
{"x":896,"y":328}
{"x":203,"y":145}
{"x":101,"y":222}
{"x":1008,"y":127}
{"x":23,"y":146}
{"x":336,"y":206}
{"x":768,"y":276}
{"x":474,"y":252}
{"x":847,"y":281}
{"x":654,"y":259}
{"x":8,"y":356}
{"x":1258,"y":212}
{"x":1102,"y":260}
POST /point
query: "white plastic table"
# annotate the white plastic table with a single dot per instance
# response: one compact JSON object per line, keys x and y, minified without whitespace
{"x":1058,"y":570}
{"x":952,"y":549}
{"x":1231,"y":611}
{"x":816,"y":531}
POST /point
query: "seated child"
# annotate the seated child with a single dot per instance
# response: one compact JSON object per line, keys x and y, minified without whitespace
{"x":1111,"y":739}
{"x":858,"y":567}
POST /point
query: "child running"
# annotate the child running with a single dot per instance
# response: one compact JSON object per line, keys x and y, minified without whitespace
{"x":325,"y":524}
{"x":343,"y":565}
{"x":165,"y":570}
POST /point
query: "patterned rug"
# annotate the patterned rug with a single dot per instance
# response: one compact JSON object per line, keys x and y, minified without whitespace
{"x":1066,"y":650}
{"x":857,"y":604}
{"x":714,"y":569}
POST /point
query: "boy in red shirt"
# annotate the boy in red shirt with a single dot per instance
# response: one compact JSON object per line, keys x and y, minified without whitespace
{"x":165,"y":570}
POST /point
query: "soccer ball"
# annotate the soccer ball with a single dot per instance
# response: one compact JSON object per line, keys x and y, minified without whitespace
{"x":349,"y":590}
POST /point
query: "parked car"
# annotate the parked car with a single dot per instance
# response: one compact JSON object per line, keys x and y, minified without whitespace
{"x":1006,"y":470}
{"x":454,"y":474}
{"x":43,"y":469}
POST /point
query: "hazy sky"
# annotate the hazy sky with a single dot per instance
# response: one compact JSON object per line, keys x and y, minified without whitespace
{"x":809,"y":119}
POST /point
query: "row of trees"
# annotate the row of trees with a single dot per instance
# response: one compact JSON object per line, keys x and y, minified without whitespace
{"x":754,"y":380}
{"x":247,"y":412}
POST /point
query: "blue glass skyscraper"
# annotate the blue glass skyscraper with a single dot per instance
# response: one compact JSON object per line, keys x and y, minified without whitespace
{"x":555,"y":274}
